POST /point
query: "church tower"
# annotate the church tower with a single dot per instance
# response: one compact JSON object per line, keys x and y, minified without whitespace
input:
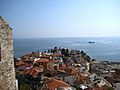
{"x":7,"y":71}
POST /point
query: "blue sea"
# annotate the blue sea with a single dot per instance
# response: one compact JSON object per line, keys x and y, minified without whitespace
{"x":104,"y":48}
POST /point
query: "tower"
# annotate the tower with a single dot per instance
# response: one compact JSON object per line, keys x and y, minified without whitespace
{"x":7,"y":72}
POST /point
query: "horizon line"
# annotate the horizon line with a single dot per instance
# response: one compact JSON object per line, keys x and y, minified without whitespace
{"x":65,"y":37}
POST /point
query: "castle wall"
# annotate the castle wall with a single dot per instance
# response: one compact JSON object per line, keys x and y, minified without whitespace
{"x":7,"y":72}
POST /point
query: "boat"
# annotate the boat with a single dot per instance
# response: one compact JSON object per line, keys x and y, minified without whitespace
{"x":91,"y":42}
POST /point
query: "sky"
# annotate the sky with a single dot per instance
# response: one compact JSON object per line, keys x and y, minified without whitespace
{"x":62,"y":18}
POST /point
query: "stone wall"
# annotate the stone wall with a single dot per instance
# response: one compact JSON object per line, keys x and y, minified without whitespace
{"x":7,"y":72}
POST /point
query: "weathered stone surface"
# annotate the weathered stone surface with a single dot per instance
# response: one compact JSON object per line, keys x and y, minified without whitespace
{"x":7,"y":72}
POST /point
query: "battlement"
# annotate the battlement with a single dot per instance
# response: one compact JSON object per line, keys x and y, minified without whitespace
{"x":3,"y":23}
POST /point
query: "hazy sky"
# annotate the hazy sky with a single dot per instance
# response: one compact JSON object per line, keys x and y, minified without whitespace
{"x":62,"y":18}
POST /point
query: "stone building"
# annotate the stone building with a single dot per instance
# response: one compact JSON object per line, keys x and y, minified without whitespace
{"x":7,"y":72}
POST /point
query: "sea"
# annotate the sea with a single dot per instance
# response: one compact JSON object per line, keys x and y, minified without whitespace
{"x":104,"y":48}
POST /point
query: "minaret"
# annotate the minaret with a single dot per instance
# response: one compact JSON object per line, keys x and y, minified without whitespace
{"x":7,"y":71}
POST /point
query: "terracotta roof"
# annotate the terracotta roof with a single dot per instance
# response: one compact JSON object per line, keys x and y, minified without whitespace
{"x":53,"y":60}
{"x":40,"y":66}
{"x":74,"y":71}
{"x":27,"y":65}
{"x":20,"y":63}
{"x":35,"y":72}
{"x":71,"y":70}
{"x":27,"y":71}
{"x":42,"y":60}
{"x":32,"y":71}
{"x":54,"y":83}
{"x":62,"y":67}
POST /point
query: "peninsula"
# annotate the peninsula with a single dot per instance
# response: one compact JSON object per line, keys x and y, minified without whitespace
{"x":65,"y":69}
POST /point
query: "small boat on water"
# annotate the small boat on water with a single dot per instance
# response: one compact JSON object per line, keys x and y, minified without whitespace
{"x":91,"y":42}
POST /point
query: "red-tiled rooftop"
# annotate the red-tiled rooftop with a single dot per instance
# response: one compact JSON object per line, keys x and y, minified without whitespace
{"x":27,"y":71}
{"x":71,"y":70}
{"x":62,"y":67}
{"x":35,"y":72}
{"x":20,"y":63}
{"x":32,"y":71}
{"x":54,"y":83}
{"x":42,"y":60}
{"x":27,"y":65}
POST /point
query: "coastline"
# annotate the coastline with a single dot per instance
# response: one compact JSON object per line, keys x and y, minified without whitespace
{"x":104,"y":48}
